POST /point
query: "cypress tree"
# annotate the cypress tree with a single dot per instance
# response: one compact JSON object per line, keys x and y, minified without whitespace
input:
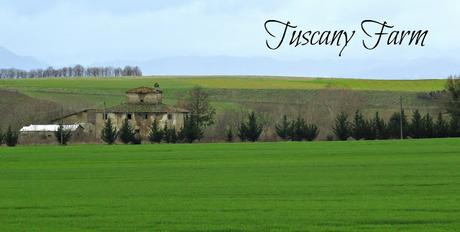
{"x":109,"y":133}
{"x":155,"y":135}
{"x":62,"y":136}
{"x":454,"y":126}
{"x":297,"y":130}
{"x":229,"y":135}
{"x":170,"y":134}
{"x":311,"y":132}
{"x":11,"y":137}
{"x":342,"y":127}
{"x":427,"y":126}
{"x":360,"y":126}
{"x":441,"y":127}
{"x":416,"y":126}
{"x":126,"y":133}
{"x":380,"y":127}
{"x":394,"y":126}
{"x":251,"y":130}
{"x":1,"y":137}
{"x":282,"y":129}
{"x":191,"y":130}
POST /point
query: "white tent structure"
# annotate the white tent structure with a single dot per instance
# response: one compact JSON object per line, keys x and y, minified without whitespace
{"x":49,"y":128}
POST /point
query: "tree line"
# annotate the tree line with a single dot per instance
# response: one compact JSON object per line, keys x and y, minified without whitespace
{"x":419,"y":126}
{"x":75,"y":71}
{"x":250,"y":128}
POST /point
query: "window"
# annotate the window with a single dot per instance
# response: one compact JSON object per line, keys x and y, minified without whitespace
{"x":104,"y":116}
{"x":129,"y":116}
{"x":142,"y":100}
{"x":146,"y":116}
{"x":170,"y":117}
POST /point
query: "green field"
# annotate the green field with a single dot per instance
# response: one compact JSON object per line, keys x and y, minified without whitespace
{"x":111,"y":90}
{"x":321,"y":186}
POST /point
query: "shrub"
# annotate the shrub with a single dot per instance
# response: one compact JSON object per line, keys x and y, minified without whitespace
{"x":109,"y":133}
{"x":62,"y":136}
{"x":11,"y":137}
{"x":250,"y":130}
{"x":156,"y":134}
{"x":342,"y":127}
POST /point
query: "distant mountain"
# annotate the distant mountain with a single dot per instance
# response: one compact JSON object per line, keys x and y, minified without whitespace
{"x":8,"y":59}
{"x":353,"y":68}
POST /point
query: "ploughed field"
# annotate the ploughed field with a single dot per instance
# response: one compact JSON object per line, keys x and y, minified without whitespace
{"x":410,"y":185}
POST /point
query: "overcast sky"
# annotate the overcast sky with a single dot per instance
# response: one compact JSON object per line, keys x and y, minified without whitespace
{"x":64,"y":32}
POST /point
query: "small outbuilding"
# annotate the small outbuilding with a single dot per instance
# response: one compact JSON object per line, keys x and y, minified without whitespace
{"x":41,"y":134}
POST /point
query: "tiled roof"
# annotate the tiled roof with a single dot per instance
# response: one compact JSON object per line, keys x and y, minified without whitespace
{"x":145,"y":108}
{"x":144,"y":90}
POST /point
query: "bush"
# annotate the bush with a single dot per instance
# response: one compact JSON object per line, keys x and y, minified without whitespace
{"x":109,"y":134}
{"x":126,"y":133}
{"x":156,"y":134}
{"x":342,"y":127}
{"x":11,"y":137}
{"x":250,"y":130}
{"x":62,"y":136}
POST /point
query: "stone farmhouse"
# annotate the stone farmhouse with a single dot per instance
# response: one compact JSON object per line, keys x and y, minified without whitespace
{"x":143,"y":105}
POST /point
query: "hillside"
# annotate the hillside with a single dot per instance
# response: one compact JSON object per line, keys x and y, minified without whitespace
{"x":316,"y":99}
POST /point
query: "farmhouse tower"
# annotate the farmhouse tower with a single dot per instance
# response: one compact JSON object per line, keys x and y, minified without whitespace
{"x":144,"y":95}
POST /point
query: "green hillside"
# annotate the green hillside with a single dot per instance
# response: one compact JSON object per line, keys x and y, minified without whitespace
{"x":319,"y":186}
{"x":318,"y":99}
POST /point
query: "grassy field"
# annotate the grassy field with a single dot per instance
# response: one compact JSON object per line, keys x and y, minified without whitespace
{"x":321,"y":186}
{"x":226,"y":91}
{"x":117,"y":85}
